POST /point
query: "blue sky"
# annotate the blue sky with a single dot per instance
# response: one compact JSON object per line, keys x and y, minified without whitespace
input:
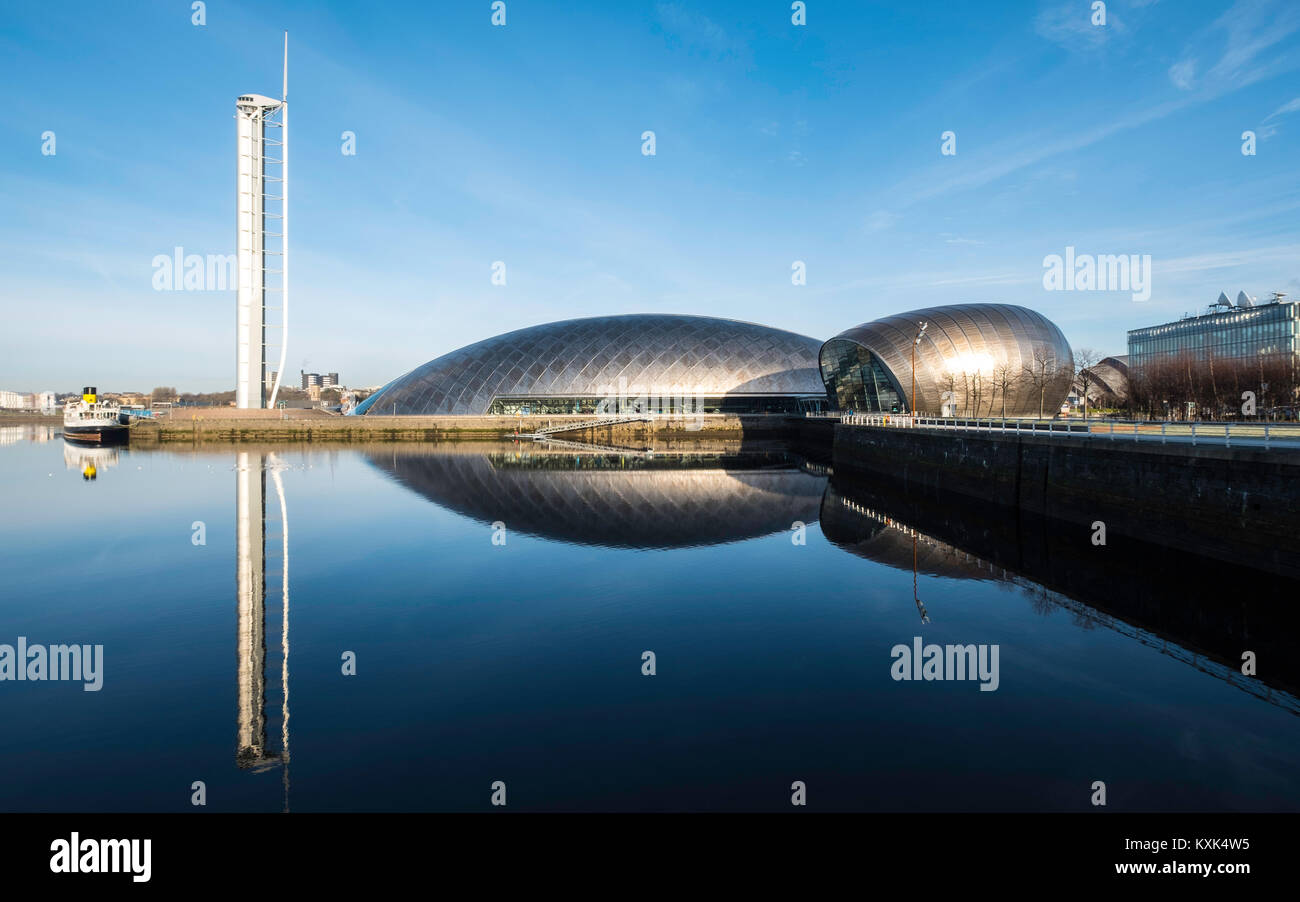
{"x":522,"y":144}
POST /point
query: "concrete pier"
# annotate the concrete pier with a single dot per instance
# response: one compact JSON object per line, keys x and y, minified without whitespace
{"x":230,"y":425}
{"x":1238,"y":503}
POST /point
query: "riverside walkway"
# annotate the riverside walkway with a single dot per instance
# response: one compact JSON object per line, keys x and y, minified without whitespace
{"x":1262,"y":434}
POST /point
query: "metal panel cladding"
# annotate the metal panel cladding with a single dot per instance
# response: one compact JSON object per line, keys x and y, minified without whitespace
{"x":995,"y":359}
{"x":657,"y":354}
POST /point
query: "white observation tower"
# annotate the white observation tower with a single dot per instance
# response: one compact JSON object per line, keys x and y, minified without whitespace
{"x":262,"y":240}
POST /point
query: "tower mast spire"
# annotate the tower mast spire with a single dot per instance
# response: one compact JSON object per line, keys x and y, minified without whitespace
{"x":284,"y":224}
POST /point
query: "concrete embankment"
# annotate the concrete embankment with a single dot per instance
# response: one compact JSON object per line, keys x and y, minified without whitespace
{"x":1239,"y":504}
{"x":228,"y":425}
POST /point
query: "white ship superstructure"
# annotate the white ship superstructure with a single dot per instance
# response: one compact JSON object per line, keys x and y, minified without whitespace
{"x":89,"y":419}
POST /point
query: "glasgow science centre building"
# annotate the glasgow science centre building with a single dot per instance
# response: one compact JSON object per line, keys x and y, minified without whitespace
{"x":668,"y":363}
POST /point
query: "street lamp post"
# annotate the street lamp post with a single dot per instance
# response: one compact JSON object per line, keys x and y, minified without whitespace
{"x":911,"y":402}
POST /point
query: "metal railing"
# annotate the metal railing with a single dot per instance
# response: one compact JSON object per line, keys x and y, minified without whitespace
{"x":592,"y":424}
{"x":1265,"y":434}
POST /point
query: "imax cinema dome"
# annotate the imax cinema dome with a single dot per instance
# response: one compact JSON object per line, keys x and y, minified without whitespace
{"x":612,"y":364}
{"x":972,"y":360}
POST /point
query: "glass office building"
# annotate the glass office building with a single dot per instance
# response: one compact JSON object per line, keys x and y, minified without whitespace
{"x":1241,"y":332}
{"x":644,"y":363}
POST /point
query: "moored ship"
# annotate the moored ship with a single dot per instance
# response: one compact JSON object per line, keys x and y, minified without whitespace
{"x":89,"y":419}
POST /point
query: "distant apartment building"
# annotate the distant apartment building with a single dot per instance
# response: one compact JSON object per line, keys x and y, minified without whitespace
{"x":17,"y":400}
{"x":316,"y":380}
{"x":40,"y":402}
{"x":1240,"y":332}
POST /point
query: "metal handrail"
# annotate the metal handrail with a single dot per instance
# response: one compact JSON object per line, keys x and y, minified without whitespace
{"x":1265,"y":434}
{"x":592,"y":424}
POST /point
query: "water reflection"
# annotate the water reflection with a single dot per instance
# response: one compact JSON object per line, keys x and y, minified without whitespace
{"x":90,"y":460}
{"x":259,"y":556}
{"x":771,"y":644}
{"x":1185,"y":607}
{"x":27,"y":432}
{"x":614,"y":498}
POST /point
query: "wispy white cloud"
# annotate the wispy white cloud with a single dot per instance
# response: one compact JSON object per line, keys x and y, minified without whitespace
{"x":1183,"y":74}
{"x":879,"y":221}
{"x":1001,"y":278}
{"x":1248,"y":43}
{"x":1291,"y":106}
{"x":695,"y":29}
{"x":1070,"y":25}
{"x":1253,"y":257}
{"x":1269,"y":127}
{"x":1242,"y":35}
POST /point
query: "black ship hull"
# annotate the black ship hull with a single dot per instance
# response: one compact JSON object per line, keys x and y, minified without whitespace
{"x":96,"y":435}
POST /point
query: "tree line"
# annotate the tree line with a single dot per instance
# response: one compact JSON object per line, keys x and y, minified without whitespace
{"x":1184,"y":386}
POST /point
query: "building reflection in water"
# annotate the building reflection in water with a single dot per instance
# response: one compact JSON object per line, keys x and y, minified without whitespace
{"x":617,"y":498}
{"x":1190,"y":612}
{"x":1177,"y":604}
{"x":28,"y":432}
{"x":259,"y":557}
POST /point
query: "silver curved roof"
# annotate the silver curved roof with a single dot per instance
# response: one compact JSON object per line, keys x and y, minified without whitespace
{"x":657,"y":354}
{"x":965,"y":338}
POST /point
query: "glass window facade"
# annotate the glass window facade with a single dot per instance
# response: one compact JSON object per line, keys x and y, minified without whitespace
{"x":1238,"y":333}
{"x":856,"y":379}
{"x":739,"y":404}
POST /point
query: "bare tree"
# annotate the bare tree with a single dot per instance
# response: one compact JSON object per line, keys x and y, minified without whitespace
{"x":948,"y":383}
{"x":1214,"y":384}
{"x":1084,"y":360}
{"x":977,"y":387}
{"x":1041,"y":372}
{"x":1003,"y":378}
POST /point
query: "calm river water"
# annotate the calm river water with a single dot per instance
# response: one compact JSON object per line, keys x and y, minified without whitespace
{"x":496,"y":603}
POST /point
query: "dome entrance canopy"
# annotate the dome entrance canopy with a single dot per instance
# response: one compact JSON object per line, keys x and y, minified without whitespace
{"x":856,"y":380}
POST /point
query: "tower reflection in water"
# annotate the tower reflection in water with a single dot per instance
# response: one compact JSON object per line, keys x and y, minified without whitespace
{"x":256,"y":565}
